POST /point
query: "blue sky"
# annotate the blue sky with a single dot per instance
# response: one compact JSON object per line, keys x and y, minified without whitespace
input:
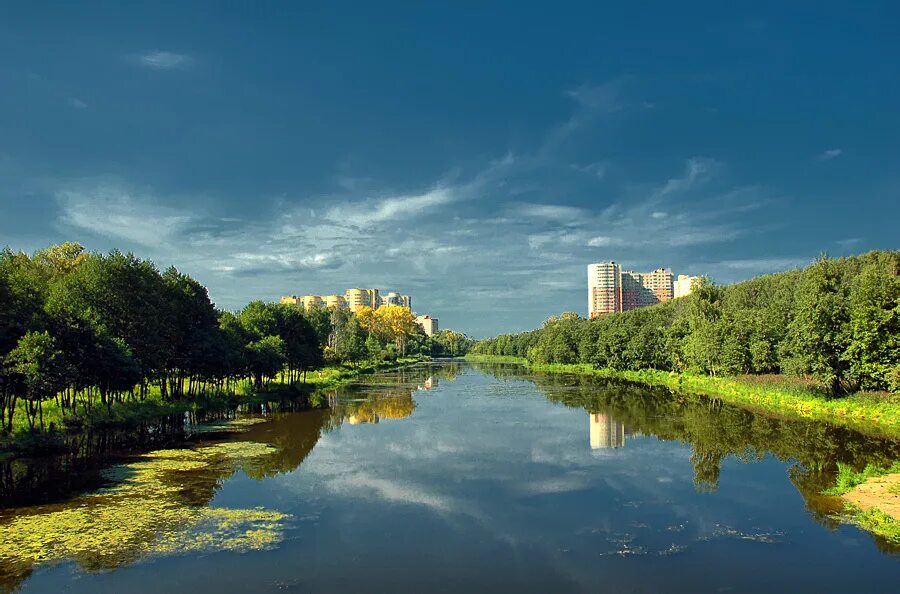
{"x":475,"y":157}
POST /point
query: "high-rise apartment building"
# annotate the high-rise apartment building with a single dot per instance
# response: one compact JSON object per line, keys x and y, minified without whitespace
{"x":336,"y":301}
{"x":312,"y":302}
{"x":685,"y":285}
{"x":604,"y":288}
{"x":357,"y":298}
{"x":610,"y":289}
{"x":394,"y":298}
{"x":352,"y":299}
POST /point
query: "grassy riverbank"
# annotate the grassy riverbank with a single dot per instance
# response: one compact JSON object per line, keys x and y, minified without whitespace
{"x":873,"y":414}
{"x":23,"y":441}
{"x":871,"y":498}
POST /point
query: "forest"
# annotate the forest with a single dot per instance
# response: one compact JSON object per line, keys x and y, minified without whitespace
{"x":87,"y":330}
{"x":836,"y":324}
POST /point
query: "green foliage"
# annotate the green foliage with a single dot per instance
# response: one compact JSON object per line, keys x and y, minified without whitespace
{"x":836,"y":323}
{"x":79,"y":329}
{"x":847,"y":477}
{"x":879,"y":415}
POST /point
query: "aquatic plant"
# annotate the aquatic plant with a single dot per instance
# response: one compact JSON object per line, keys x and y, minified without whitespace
{"x":150,"y":508}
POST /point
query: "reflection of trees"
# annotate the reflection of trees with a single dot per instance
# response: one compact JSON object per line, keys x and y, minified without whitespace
{"x":716,"y":431}
{"x":389,"y":394}
{"x":157,"y":504}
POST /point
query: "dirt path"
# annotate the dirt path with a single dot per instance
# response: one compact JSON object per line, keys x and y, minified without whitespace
{"x":880,"y":492}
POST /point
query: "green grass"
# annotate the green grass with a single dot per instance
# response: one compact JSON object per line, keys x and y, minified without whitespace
{"x":876,"y":522}
{"x":847,"y":477}
{"x":867,"y":413}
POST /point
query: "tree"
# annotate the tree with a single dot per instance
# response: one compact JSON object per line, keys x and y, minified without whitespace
{"x":873,"y":353}
{"x":38,"y":361}
{"x":818,"y":335}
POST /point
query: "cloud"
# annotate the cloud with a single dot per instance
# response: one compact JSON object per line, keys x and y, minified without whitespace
{"x":604,"y":241}
{"x":760,"y":265}
{"x":550,"y":212}
{"x":76,"y":103}
{"x":370,"y":213}
{"x":598,"y":170}
{"x":163,"y":60}
{"x":697,"y":170}
{"x":113,"y":210}
{"x":830,"y":154}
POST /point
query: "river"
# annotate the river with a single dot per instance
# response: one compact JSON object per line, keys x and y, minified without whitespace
{"x":448,"y":477}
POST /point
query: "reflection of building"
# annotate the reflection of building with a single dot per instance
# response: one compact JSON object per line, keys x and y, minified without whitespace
{"x":685,"y":284}
{"x":606,"y":432}
{"x":611,"y":289}
{"x":428,"y":324}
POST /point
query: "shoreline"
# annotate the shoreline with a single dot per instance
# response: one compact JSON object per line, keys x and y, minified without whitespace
{"x":880,"y":419}
{"x":25,"y":444}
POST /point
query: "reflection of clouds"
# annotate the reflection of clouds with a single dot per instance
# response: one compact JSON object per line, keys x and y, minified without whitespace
{"x":573,"y":481}
{"x":363,"y":484}
{"x":494,"y":462}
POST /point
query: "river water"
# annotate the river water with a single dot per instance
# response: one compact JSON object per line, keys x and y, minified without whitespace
{"x":450,"y":477}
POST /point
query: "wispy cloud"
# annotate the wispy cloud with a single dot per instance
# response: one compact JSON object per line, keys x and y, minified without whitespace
{"x":76,"y":103}
{"x":164,"y":60}
{"x":550,"y":212}
{"x":831,"y":154}
{"x":113,"y":210}
{"x":597,"y":170}
{"x":369,"y":213}
{"x":760,"y":265}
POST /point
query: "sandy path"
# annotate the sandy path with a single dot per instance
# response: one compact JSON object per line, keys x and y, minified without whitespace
{"x":880,"y":492}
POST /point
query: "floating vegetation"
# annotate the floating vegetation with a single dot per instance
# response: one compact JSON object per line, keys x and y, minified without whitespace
{"x":231,"y":425}
{"x":722,"y":530}
{"x":156,"y":505}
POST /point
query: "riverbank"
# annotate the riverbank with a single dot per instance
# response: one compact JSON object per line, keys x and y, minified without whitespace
{"x":24,"y":442}
{"x":868,"y":414}
{"x":871,"y":498}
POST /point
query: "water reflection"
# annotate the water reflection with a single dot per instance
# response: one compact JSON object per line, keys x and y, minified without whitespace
{"x":486,"y":466}
{"x":606,"y":432}
{"x":716,"y":431}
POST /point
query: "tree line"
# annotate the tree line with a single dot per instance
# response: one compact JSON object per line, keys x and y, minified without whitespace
{"x":836,"y":322}
{"x":87,"y":329}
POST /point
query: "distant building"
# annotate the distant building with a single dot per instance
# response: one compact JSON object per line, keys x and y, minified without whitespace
{"x":428,"y":324}
{"x":604,"y":288}
{"x":312,"y":302}
{"x":606,"y":432}
{"x":611,"y":289}
{"x":685,"y":285}
{"x":357,"y":298}
{"x":394,"y":298}
{"x":336,"y":301}
{"x":352,"y":299}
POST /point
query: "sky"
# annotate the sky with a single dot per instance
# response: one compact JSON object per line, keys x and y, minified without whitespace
{"x":476,"y":156}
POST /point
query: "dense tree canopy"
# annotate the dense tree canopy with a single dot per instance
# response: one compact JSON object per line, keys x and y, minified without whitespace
{"x":85,"y":328}
{"x":837,"y":322}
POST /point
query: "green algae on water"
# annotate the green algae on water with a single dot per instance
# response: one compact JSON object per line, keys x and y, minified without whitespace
{"x":156,"y":505}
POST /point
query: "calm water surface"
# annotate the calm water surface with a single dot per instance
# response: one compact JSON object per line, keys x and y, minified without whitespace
{"x":460,"y":477}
